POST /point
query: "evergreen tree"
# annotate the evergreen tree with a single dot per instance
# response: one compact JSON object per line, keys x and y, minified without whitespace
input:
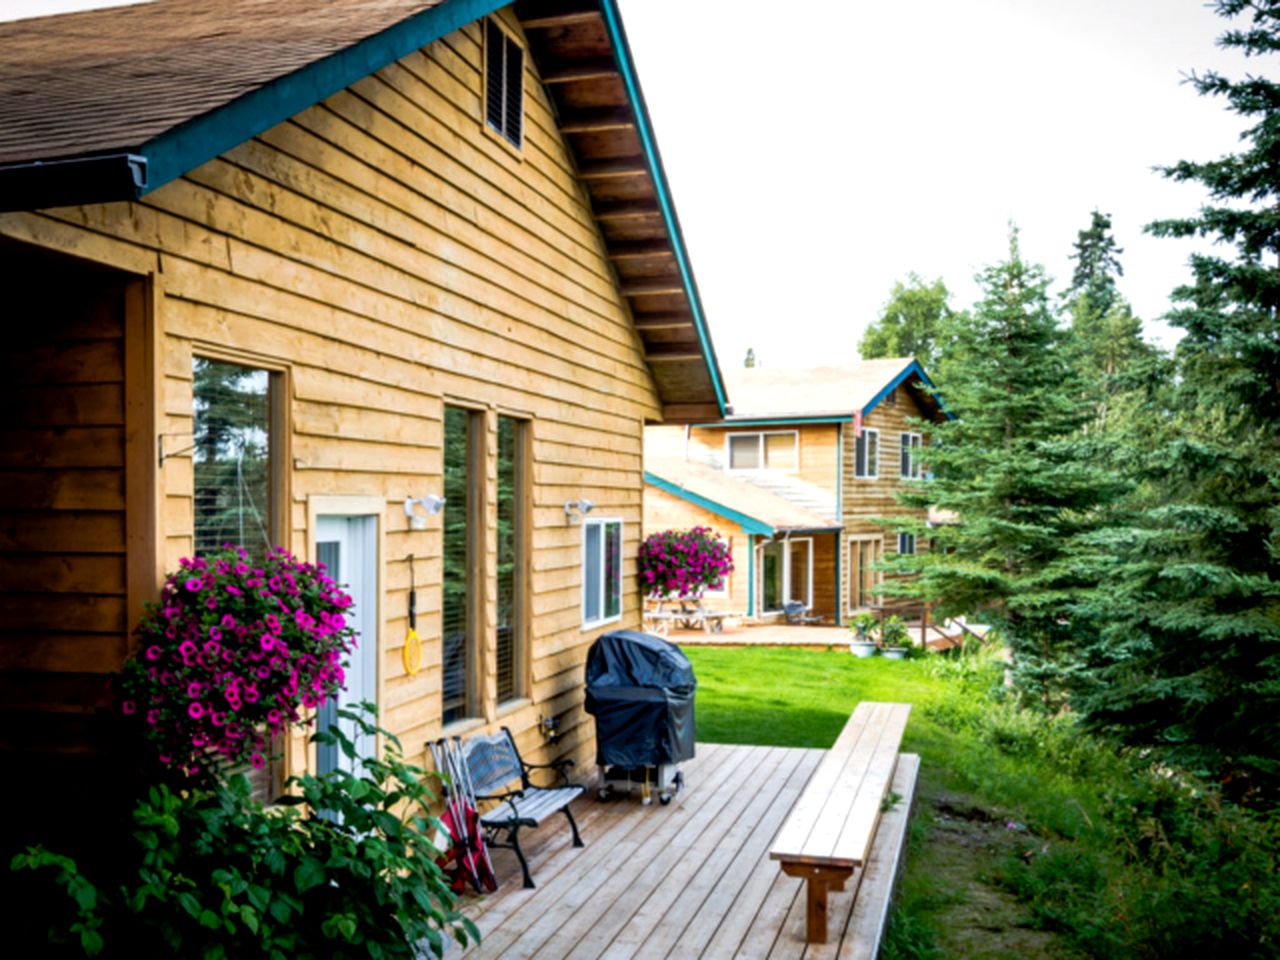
{"x":1009,"y":468}
{"x":1190,"y":589}
{"x":915,"y":322}
{"x":1097,"y":265}
{"x":750,"y":360}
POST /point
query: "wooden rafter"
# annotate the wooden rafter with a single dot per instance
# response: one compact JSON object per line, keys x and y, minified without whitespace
{"x":586,"y":70}
{"x":598,"y":121}
{"x":614,"y":169}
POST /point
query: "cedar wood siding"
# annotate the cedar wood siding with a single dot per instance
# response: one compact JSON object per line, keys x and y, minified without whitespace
{"x":388,"y":254}
{"x":864,"y":499}
{"x":818,"y":446}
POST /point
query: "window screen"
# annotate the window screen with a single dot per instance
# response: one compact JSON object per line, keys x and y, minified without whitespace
{"x":744,"y":452}
{"x":867,"y":454}
{"x":458,"y":569}
{"x":511,"y":538}
{"x":780,"y":451}
{"x":601,"y":571}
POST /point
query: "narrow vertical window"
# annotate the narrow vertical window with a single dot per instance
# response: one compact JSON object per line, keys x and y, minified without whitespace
{"x":906,"y":543}
{"x":601,"y":571}
{"x":234,"y":453}
{"x":504,"y":84}
{"x":911,"y":455}
{"x":457,"y":622}
{"x":512,"y":537}
{"x":866,"y":455}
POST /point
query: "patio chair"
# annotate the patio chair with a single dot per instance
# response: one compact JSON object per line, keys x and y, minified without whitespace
{"x":798,"y":613}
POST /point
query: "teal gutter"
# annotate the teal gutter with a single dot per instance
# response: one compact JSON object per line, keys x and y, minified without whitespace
{"x":749,"y":524}
{"x":187,"y":146}
{"x":622,"y":54}
{"x":779,"y":421}
{"x":751,"y":575}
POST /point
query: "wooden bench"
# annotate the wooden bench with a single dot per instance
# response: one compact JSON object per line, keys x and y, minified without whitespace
{"x":829,"y":832}
{"x":495,"y":764}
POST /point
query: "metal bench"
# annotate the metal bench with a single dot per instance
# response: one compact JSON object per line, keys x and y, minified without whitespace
{"x":495,"y":764}
{"x":828,"y":833}
{"x":797,"y":612}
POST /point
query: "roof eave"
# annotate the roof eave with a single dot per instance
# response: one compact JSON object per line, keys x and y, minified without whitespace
{"x":41,"y":184}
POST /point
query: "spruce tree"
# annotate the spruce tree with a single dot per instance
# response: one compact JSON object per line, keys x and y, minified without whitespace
{"x":1009,"y":470}
{"x":1190,"y":589}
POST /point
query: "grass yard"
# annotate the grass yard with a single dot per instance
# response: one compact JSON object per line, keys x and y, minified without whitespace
{"x":1030,"y":839}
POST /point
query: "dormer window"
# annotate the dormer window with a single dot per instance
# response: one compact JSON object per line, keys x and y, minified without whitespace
{"x":778,"y":450}
{"x":503,"y":84}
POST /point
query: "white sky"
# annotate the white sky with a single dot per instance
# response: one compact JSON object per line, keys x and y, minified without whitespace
{"x":819,"y":150}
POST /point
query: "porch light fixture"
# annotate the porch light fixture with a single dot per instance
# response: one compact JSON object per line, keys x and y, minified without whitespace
{"x":430,"y":503}
{"x":582,"y":506}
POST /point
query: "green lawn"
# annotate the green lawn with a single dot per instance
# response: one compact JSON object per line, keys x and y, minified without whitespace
{"x":969,"y":796}
{"x":1030,"y":839}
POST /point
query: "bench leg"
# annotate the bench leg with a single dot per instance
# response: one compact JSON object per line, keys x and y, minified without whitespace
{"x":819,"y":881}
{"x":577,"y":840}
{"x":513,"y":834}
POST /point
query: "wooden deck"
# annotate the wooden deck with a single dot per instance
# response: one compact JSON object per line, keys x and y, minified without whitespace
{"x":692,"y":879}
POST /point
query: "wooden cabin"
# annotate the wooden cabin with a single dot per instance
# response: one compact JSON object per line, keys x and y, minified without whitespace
{"x":282,"y":275}
{"x":796,"y":478}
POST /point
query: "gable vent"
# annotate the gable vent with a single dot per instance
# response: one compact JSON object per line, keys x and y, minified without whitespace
{"x":504,"y":86}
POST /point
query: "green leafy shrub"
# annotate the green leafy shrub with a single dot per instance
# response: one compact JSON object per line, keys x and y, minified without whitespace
{"x":351,"y":874}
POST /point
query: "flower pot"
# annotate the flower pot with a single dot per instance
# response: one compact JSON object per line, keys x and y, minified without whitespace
{"x":862,"y":648}
{"x":895,"y":653}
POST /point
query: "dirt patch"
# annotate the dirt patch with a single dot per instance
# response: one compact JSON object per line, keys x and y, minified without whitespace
{"x":957,"y":848}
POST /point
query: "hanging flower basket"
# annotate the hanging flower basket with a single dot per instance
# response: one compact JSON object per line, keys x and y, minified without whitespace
{"x":683,"y":563}
{"x":233,"y":653}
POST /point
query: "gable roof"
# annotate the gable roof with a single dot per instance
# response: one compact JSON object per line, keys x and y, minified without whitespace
{"x":111,"y":104}
{"x":755,"y":509}
{"x":832,"y":394}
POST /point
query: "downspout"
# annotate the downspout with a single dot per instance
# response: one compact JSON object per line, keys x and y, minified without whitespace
{"x":840,"y":537}
{"x":751,"y":575}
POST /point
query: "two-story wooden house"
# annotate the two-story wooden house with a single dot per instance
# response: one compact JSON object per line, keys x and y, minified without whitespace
{"x":795,"y":478}
{"x":418,"y":249}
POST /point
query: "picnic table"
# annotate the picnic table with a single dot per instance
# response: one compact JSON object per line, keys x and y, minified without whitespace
{"x":686,"y":614}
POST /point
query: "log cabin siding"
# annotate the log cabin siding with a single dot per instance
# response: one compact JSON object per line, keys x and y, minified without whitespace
{"x":390,"y":257}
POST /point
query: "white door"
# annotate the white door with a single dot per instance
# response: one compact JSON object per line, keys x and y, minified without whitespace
{"x":348,"y":547}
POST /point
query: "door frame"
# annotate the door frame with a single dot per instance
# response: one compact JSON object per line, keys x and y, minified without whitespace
{"x":785,"y":542}
{"x":357,"y":506}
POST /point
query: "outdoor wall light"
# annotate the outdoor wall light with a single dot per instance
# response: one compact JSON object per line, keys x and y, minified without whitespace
{"x":582,"y":506}
{"x":430,"y":503}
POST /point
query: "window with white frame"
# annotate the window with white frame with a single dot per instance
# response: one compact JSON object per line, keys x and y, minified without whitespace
{"x":774,"y":450}
{"x":906,"y":543}
{"x":866,"y":454}
{"x":911,"y":443}
{"x":601,"y":571}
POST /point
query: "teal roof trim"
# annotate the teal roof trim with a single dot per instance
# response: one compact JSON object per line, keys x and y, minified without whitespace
{"x":912,"y":368}
{"x":622,"y":53}
{"x":748,"y":524}
{"x":777,"y":421}
{"x":187,"y":146}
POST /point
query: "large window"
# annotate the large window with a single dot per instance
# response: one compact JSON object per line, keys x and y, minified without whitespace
{"x":511,"y":566}
{"x":463,"y":492}
{"x":503,"y":84}
{"x":911,"y":444}
{"x":864,"y":554}
{"x":235,"y":447}
{"x":866,"y":455}
{"x":601,"y":571}
{"x":778,"y":450}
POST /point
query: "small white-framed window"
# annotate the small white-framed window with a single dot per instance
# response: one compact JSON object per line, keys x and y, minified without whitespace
{"x":503,"y":84}
{"x":906,"y":543}
{"x":771,"y":450}
{"x":910,"y":455}
{"x":601,"y":571}
{"x":866,"y":454}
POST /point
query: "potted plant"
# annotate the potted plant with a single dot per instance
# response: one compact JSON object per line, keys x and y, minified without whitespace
{"x":893,"y":636}
{"x":862,"y":626}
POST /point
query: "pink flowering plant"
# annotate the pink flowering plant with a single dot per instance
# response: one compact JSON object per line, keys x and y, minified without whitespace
{"x":684,"y":563}
{"x":234,"y":652}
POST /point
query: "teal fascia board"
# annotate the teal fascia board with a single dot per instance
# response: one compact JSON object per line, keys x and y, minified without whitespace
{"x":749,"y":524}
{"x":913,"y":368}
{"x":622,"y":54}
{"x":199,"y":140}
{"x":777,"y":421}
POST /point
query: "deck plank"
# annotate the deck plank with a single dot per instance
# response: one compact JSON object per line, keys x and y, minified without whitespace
{"x":691,"y":880}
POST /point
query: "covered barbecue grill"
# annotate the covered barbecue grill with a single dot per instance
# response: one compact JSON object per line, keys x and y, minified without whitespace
{"x":640,"y":690}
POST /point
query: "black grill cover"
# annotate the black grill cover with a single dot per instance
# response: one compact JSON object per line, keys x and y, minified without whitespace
{"x":640,"y":690}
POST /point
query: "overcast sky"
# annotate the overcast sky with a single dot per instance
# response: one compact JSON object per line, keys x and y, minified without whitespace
{"x":819,"y":150}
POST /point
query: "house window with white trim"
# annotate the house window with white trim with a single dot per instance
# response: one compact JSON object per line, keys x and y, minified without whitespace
{"x":775,"y":450}
{"x":601,"y":571}
{"x":911,"y":444}
{"x":906,"y":543}
{"x":866,"y":454}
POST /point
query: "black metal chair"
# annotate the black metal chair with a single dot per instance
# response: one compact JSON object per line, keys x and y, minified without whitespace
{"x":797,"y":613}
